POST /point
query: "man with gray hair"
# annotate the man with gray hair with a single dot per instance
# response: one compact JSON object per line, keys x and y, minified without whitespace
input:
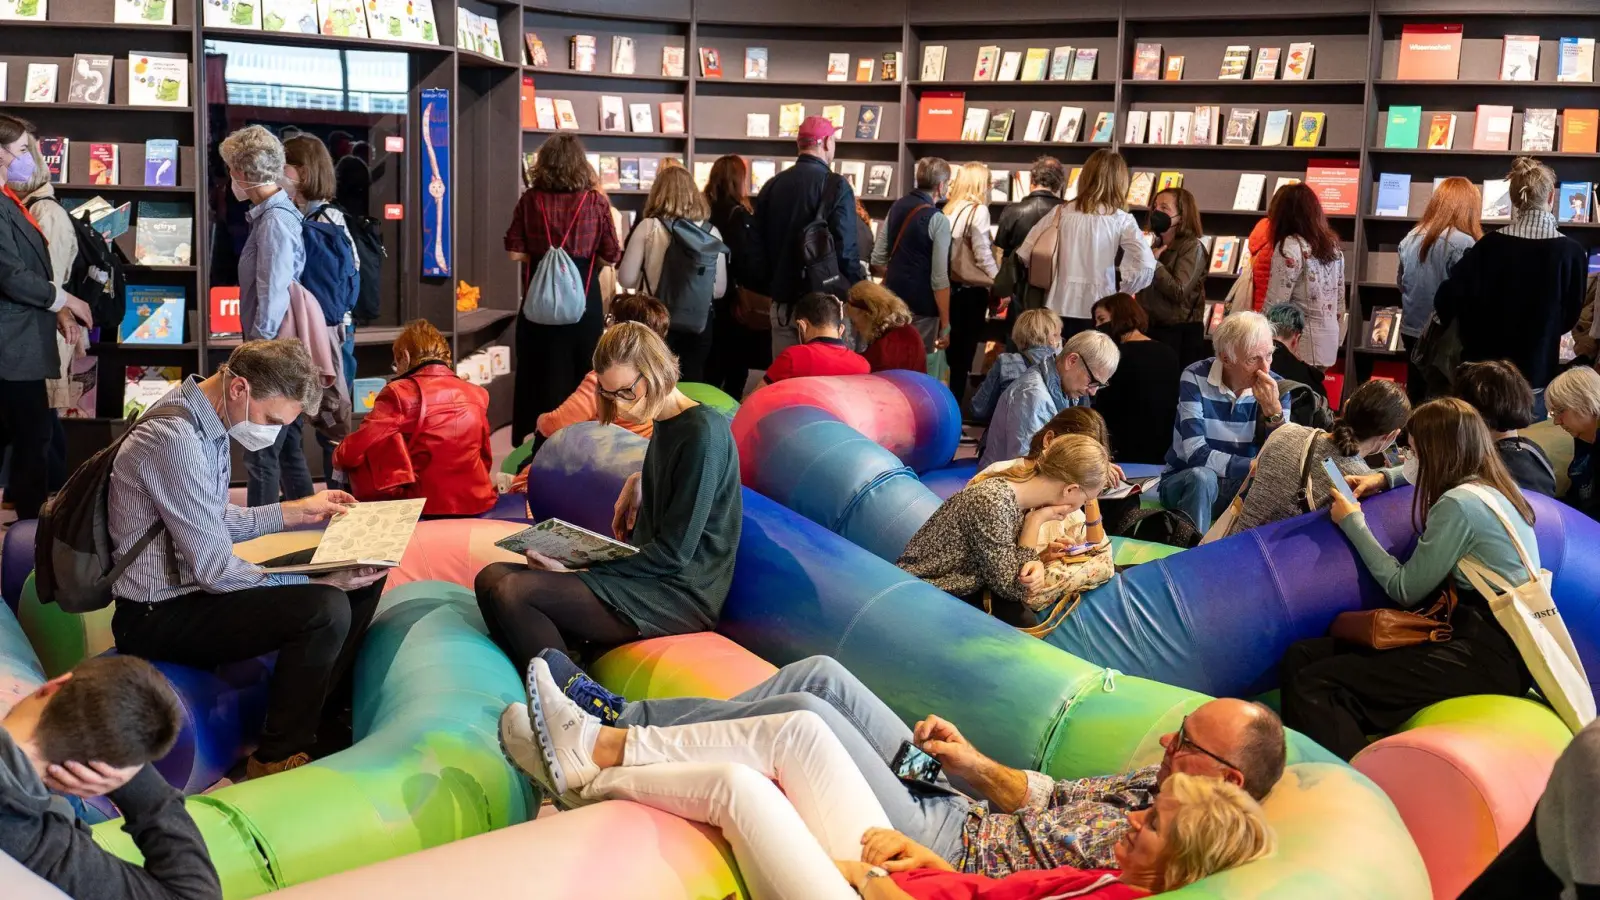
{"x":1288,"y":326}
{"x":185,"y":597}
{"x":1227,"y":406}
{"x":1069,"y":378}
{"x":912,"y":254}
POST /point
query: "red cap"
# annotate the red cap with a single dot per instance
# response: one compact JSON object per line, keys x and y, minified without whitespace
{"x":816,"y":129}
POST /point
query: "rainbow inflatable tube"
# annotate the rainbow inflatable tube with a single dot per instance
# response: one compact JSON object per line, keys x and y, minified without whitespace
{"x":16,"y":560}
{"x":20,"y":672}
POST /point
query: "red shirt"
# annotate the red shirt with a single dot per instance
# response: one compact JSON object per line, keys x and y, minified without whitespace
{"x":819,"y":356}
{"x":541,"y":219}
{"x":1081,"y":884}
{"x":898,"y":348}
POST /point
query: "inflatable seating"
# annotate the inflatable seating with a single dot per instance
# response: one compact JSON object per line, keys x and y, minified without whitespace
{"x":20,"y":672}
{"x":512,"y":507}
{"x":713,"y":397}
{"x":517,"y":458}
{"x":16,"y":560}
{"x":22,"y":884}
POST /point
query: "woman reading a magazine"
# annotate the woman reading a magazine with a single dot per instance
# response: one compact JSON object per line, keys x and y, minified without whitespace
{"x":683,"y":512}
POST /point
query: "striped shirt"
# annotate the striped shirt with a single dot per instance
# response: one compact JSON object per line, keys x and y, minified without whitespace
{"x":1216,"y":428}
{"x":1533,"y":224}
{"x":180,"y":473}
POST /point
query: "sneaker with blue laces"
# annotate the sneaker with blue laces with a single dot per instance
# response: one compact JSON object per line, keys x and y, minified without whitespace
{"x":581,"y":689}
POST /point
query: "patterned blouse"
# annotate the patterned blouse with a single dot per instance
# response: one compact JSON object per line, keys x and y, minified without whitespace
{"x":970,"y":544}
{"x":1065,"y":823}
{"x":1317,"y":288}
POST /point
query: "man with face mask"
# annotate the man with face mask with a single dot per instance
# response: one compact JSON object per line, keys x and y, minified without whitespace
{"x":912,"y":255}
{"x":186,"y":598}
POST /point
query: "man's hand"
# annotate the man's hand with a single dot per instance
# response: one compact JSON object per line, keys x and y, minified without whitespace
{"x":93,"y":780}
{"x":626,"y":511}
{"x":1266,"y":390}
{"x":945,"y":743}
{"x":895,"y":852}
{"x":317,"y":508}
{"x":354,"y":579}
{"x":67,"y":324}
{"x":1367,"y":485}
{"x":79,"y":310}
{"x":541,"y":563}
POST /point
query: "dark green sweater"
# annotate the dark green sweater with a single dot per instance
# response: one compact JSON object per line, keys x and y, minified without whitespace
{"x":687,"y":531}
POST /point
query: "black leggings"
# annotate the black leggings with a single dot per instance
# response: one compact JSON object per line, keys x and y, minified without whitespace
{"x":528,"y":611}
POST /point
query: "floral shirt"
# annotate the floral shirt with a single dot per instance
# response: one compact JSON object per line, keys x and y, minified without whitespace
{"x":1064,"y":823}
{"x":1317,"y":288}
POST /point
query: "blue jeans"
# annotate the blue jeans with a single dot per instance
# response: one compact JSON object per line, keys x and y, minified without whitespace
{"x":1198,"y":493}
{"x":868,"y":729}
{"x":279,"y":470}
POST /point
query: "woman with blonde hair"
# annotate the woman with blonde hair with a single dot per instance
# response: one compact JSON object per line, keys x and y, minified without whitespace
{"x":1037,"y":336}
{"x":683,"y":513}
{"x":1574,"y":401}
{"x":883,"y":321}
{"x":1529,"y":260}
{"x":742,"y":318}
{"x":972,"y":269}
{"x":1089,"y":231}
{"x":427,"y":436}
{"x":1450,"y":225}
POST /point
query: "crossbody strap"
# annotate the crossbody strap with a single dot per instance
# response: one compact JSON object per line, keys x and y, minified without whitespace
{"x":905,"y":223}
{"x":1487,"y":496}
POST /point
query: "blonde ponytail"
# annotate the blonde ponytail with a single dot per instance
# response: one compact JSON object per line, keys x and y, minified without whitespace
{"x":1070,"y":459}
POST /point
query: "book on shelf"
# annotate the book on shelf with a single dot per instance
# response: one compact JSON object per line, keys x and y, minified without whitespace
{"x":1038,"y":130}
{"x":4,"y":78}
{"x":940,"y":115}
{"x":1577,"y":59}
{"x":1071,"y":193}
{"x":528,"y":104}
{"x":156,"y":79}
{"x":1574,"y":202}
{"x":672,"y":61}
{"x":933,"y":60}
{"x":1275,"y":128}
{"x":566,"y":116}
{"x":1309,"y":131}
{"x":1385,"y":331}
{"x":1140,"y":187}
{"x":581,"y":53}
{"x":402,"y":20}
{"x":855,"y":173}
{"x":999,"y":185}
{"x":672,"y":117}
{"x":880,"y":177}
{"x":702,"y":173}
{"x":864,"y":68}
{"x":1104,"y":122}
{"x":1394,"y":195}
{"x":649,"y":167}
{"x":628,"y":173}
{"x":1010,"y":66}
{"x":300,"y":17}
{"x":233,"y":14}
{"x":869,"y":118}
{"x":1168,"y":180}
{"x":1519,"y":58}
{"x":1000,"y":125}
{"x":224,"y":319}
{"x":838,"y":67}
{"x":1297,"y":65}
{"x":610,"y":173}
{"x":1146,"y":62}
{"x":834,"y":113}
{"x":1206,"y":125}
{"x":143,"y":386}
{"x":1216,"y":311}
{"x":1174,"y":70}
{"x":1335,"y":184}
{"x":1182,"y":127}
{"x":24,"y":10}
{"x":41,"y":84}
{"x":623,"y":60}
{"x":1442,"y":130}
{"x":1281,"y":183}
{"x":761,"y":172}
{"x":975,"y":124}
{"x":710,"y":63}
{"x":163,"y":234}
{"x":1248,"y":196}
{"x":1021,"y":184}
{"x":790,"y":115}
{"x":1241,"y":128}
{"x":1083,"y":63}
{"x":111,"y":221}
{"x":1578,"y":130}
{"x":1036,"y":65}
{"x":340,"y":18}
{"x":758,"y":125}
{"x":755,"y":63}
{"x":91,"y":79}
{"x":1068,"y":124}
{"x":1539,"y":130}
{"x":544,"y":111}
{"x":1266,"y":63}
{"x":641,"y":118}
{"x":1429,"y":52}
{"x":1404,"y":127}
{"x":611,"y":113}
{"x":55,"y":151}
{"x":1138,"y":121}
{"x":1224,"y":255}
{"x":152,"y":314}
{"x":1235,"y":60}
{"x":1160,"y":127}
{"x":988,"y":64}
{"x":1493,"y":131}
{"x":1496,"y":199}
{"x":893,"y":62}
{"x":1061,"y":63}
{"x":593,"y":159}
{"x":538,"y":57}
{"x":105,"y":164}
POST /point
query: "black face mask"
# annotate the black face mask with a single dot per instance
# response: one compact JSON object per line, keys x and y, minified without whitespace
{"x":1159,"y":222}
{"x":1108,"y":330}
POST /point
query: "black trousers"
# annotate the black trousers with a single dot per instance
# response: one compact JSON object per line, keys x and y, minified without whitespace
{"x":552,"y":361}
{"x":692,"y":350}
{"x":1188,"y":340}
{"x":315,"y":629}
{"x":1337,"y":693}
{"x":969,"y":307}
{"x":528,"y":611}
{"x":27,"y":418}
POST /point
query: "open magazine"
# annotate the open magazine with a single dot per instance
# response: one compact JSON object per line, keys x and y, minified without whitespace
{"x":566,"y":543}
{"x":370,"y":535}
{"x":1132,"y":486}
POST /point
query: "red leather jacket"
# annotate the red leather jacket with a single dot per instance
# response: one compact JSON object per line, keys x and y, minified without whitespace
{"x":426,"y":437}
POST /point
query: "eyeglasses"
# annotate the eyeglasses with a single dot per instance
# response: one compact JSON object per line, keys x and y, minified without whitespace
{"x":626,"y":394}
{"x":1181,"y":741}
{"x":1095,"y":383}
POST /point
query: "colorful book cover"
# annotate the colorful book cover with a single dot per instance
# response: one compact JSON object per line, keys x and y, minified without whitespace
{"x":1404,"y":128}
{"x":1494,"y":128}
{"x":158,"y":80}
{"x":27,"y":10}
{"x":1266,"y":63}
{"x":1174,"y":68}
{"x":988,"y":64}
{"x":1061,"y":63}
{"x":566,"y":116}
{"x":1037,"y":64}
{"x":790,"y":115}
{"x":1000,"y":125}
{"x":1573,"y":204}
{"x":1429,"y":53}
{"x":1083,"y":64}
{"x":865,"y":66}
{"x":104,"y":165}
{"x":232,"y":14}
{"x":939,"y":115}
{"x":710,"y":63}
{"x":144,"y":385}
{"x":162,"y":234}
{"x":224,"y":318}
{"x":976,"y":124}
{"x":838,"y":67}
{"x":41,"y":84}
{"x":1309,"y":132}
{"x":1578,"y":130}
{"x":672,"y":117}
{"x":672,"y":61}
{"x":342,"y":18}
{"x":54,"y":151}
{"x":1297,"y":65}
{"x":755,"y":63}
{"x":153,"y":314}
{"x":1235,"y":60}
{"x":1103,"y":124}
{"x":1241,"y":127}
{"x":366,"y":394}
{"x":868,"y":120}
{"x":1146,"y":62}
{"x":539,"y":58}
{"x":1577,"y":59}
{"x":300,"y":16}
{"x":83,"y":388}
{"x":1442,"y":130}
{"x":891,"y":66}
{"x":628,"y":173}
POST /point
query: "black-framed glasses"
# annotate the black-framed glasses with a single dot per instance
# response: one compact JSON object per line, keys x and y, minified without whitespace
{"x":1182,"y":741}
{"x":626,"y":394}
{"x":1095,"y":383}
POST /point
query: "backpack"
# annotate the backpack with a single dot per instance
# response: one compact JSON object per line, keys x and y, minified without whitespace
{"x":819,"y":255}
{"x":370,"y":253}
{"x":73,"y":565}
{"x":557,"y":294}
{"x":96,"y":277}
{"x":330,"y":272}
{"x":1306,"y":406}
{"x":688,"y":274}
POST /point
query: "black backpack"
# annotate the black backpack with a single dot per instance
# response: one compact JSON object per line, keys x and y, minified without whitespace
{"x":819,"y":255}
{"x":73,"y":565}
{"x":96,"y":277}
{"x":688,"y":274}
{"x":1306,"y":406}
{"x":371,"y":253}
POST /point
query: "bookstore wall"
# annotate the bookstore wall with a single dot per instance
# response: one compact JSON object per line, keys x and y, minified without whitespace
{"x":1370,"y":102}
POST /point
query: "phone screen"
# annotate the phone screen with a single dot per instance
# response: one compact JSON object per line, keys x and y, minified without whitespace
{"x":915,"y":764}
{"x":1337,"y":477}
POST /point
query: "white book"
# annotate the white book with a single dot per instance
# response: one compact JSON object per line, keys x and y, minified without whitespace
{"x":1182,"y":128}
{"x":373,"y":534}
{"x":142,"y":12}
{"x":1021,"y":185}
{"x":761,"y":172}
{"x":3,"y":76}
{"x":566,"y":116}
{"x":1038,"y":126}
{"x":231,"y":14}
{"x":24,"y":9}
{"x":1577,"y":59}
{"x":1205,"y":128}
{"x":1010,"y":65}
{"x":1283,"y":182}
{"x":1137,"y":120}
{"x":1297,"y":67}
{"x":544,"y":111}
{"x":1068,"y":124}
{"x":1248,"y":197}
{"x":41,"y":84}
{"x":1519,"y":58}
{"x":976,"y":124}
{"x":300,"y":17}
{"x":758,"y":125}
{"x":838,"y":67}
{"x":1496,"y":199}
{"x":342,"y":18}
{"x":612,"y":116}
{"x":1161,"y":127}
{"x":1275,"y":133}
{"x":854,"y":172}
{"x":622,"y":56}
{"x":933,"y":59}
{"x":1266,"y":63}
{"x":642,"y":118}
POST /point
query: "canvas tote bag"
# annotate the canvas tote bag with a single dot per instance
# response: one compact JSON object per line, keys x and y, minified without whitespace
{"x":1528,"y":614}
{"x":1242,"y":296}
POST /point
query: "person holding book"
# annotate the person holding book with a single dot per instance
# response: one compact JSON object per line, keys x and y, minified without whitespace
{"x":821,"y":351}
{"x":883,"y":322}
{"x":1307,"y":271}
{"x":1142,"y":396}
{"x":583,"y":405}
{"x":1575,"y":407}
{"x":1090,"y":231}
{"x":1037,"y":336}
{"x":1530,"y":260}
{"x":683,"y":512}
{"x":1502,"y":396}
{"x":673,"y":197}
{"x":1048,"y":178}
{"x":1338,"y":694}
{"x":1086,"y":363}
{"x":35,"y":308}
{"x":1450,"y":225}
{"x":741,"y":342}
{"x":971,"y":256}
{"x":1175,"y":301}
{"x":1288,"y":330}
{"x":186,"y":598}
{"x":563,"y":207}
{"x":912,"y":254}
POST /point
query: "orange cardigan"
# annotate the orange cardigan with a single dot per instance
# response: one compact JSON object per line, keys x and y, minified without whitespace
{"x":583,"y":405}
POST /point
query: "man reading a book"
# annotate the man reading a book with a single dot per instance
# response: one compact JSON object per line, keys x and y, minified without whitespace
{"x":186,"y":598}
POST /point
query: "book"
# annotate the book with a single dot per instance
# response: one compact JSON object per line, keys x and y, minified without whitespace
{"x":1539,"y":130}
{"x":761,"y":172}
{"x":1206,"y":125}
{"x":1241,"y":129}
{"x":1038,"y":130}
{"x":880,"y":177}
{"x":1168,"y":180}
{"x":790,"y":115}
{"x":672,"y":61}
{"x":370,"y":535}
{"x":1248,"y":196}
{"x":1160,"y":127}
{"x":1140,"y":187}
{"x":1335,"y":184}
{"x":1297,"y":65}
{"x":27,"y":10}
{"x":112,"y":222}
{"x":1174,"y":70}
{"x":869,"y":118}
{"x":976,"y":124}
{"x":1394,"y":195}
{"x":611,"y":114}
{"x":834,"y":113}
{"x":988,"y":64}
{"x":1309,"y":131}
{"x":4,"y":78}
{"x":1072,"y":183}
{"x":566,"y":116}
{"x":864,"y":68}
{"x":755,"y":63}
{"x":1275,"y":128}
{"x":1429,"y":53}
{"x":1384,"y":334}
{"x":649,"y":168}
{"x":1224,"y":256}
{"x":1577,"y":59}
{"x":1061,"y":63}
{"x":702,"y":173}
{"x":104,"y":164}
{"x":224,"y":308}
{"x":999,"y":186}
{"x":83,"y":388}
{"x":672,"y":117}
{"x":1138,"y":120}
{"x":1442,"y":131}
{"x":1573,"y":204}
{"x":854,"y":172}
{"x":758,"y":125}
{"x":1068,"y":124}
{"x":163,"y":234}
{"x":1010,"y":66}
{"x":1282,"y":183}
{"x":1519,"y":58}
{"x":234,"y":14}
{"x":1578,"y":130}
{"x":158,"y":80}
{"x":1083,"y":63}
{"x":641,"y":118}
{"x":91,"y":79}
{"x":1021,"y":185}
{"x":1000,"y":125}
{"x":54,"y":150}
{"x":1104,"y":122}
{"x":1215,"y":313}
{"x":939,"y":115}
{"x":622,"y":55}
{"x":581,"y":52}
{"x":41,"y":84}
{"x":1182,"y":127}
{"x":538,"y":57}
{"x":1036,"y":65}
{"x":1266,"y":63}
{"x":710,"y":63}
{"x":1404,"y":127}
{"x":341,"y":18}
{"x":892,"y":64}
{"x":838,"y":67}
{"x":1494,"y":128}
{"x":1235,"y":60}
{"x":364,"y":394}
{"x":528,"y":104}
{"x":1146,"y":62}
{"x":544,"y":111}
{"x":566,"y":543}
{"x":933,"y":60}
{"x":610,"y":173}
{"x":628,"y":173}
{"x":143,"y":386}
{"x":152,"y":314}
{"x":1496,"y":199}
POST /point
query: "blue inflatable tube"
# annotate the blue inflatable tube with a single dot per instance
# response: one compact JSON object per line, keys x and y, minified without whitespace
{"x":575,"y":473}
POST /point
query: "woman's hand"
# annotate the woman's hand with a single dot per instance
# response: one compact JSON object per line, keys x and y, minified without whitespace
{"x":1367,"y":485}
{"x":1343,"y":508}
{"x":626,"y":512}
{"x":1118,"y":477}
{"x":1032,"y":575}
{"x":891,"y":850}
{"x":541,"y":563}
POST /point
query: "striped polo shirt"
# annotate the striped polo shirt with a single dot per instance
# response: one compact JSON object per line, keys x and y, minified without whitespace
{"x":1216,"y":428}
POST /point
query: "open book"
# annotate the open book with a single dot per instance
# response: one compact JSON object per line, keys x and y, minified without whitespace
{"x":1132,"y":486}
{"x":370,"y":535}
{"x":566,"y":543}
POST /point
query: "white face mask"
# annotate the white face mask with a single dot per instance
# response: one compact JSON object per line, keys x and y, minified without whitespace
{"x":250,"y":435}
{"x":240,"y":189}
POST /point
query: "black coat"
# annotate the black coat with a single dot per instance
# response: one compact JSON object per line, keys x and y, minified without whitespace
{"x":27,"y":291}
{"x":1019,"y":218}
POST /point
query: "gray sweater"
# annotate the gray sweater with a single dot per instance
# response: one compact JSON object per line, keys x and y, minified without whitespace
{"x":1277,"y":489}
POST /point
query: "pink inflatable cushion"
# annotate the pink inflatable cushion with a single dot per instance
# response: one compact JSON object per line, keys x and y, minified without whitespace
{"x":683,"y":665}
{"x":453,"y":550}
{"x":633,"y":851}
{"x":1465,"y":775}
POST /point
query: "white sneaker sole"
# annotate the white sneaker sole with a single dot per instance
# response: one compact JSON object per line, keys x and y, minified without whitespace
{"x":561,"y":796}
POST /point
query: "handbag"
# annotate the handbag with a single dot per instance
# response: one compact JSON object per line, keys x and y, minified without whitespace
{"x":1242,"y":296}
{"x":1529,"y":615}
{"x":964,"y":268}
{"x":752,"y":310}
{"x":1042,"y":260}
{"x":1388,"y":628}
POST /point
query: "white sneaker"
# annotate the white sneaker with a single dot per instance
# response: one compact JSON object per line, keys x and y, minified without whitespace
{"x":567,"y":734}
{"x":521,"y":745}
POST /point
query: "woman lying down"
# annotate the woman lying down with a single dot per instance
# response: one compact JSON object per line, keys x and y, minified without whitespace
{"x":804,"y":825}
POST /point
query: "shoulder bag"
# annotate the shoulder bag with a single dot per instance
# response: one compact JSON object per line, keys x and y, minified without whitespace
{"x":964,"y":268}
{"x":1242,"y":296}
{"x":1388,"y":628}
{"x":1042,"y":260}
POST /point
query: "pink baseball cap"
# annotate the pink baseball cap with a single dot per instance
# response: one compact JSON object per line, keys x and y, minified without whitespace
{"x":816,"y":129}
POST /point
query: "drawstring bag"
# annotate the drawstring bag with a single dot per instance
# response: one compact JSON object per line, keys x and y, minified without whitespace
{"x":557,"y":294}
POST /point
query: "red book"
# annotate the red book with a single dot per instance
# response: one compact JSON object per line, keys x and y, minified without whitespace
{"x":225,"y":312}
{"x":1335,"y":182}
{"x":1430,"y":53}
{"x":103,"y":167}
{"x":530,"y":115}
{"x":939,"y":115}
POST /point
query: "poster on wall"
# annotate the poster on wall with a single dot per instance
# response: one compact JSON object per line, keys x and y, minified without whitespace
{"x":436,"y":183}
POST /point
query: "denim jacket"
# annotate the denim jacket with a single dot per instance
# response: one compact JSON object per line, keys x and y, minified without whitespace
{"x":1007,"y":368}
{"x":1026,"y":406}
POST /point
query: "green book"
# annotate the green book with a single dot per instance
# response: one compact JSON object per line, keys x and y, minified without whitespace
{"x":1405,"y":125}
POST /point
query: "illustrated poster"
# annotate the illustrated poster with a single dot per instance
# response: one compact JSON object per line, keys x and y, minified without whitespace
{"x":436,"y":183}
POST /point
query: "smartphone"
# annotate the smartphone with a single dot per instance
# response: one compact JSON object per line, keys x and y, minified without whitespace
{"x":1337,"y":477}
{"x":911,"y":763}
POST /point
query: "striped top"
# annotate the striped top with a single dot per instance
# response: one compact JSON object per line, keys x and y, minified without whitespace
{"x":166,"y":469}
{"x":1216,"y":428}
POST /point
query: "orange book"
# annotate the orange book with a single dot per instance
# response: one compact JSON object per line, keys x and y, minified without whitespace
{"x":1578,"y":130}
{"x":1430,"y":53}
{"x":939,"y":115}
{"x":530,"y":115}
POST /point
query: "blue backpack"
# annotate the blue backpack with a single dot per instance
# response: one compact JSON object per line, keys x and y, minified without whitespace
{"x":330,"y":271}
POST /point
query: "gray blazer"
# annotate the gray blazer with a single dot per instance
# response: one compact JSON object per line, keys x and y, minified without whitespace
{"x":27,"y":326}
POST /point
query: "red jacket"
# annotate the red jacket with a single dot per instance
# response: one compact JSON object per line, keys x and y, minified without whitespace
{"x":1046,"y":884}
{"x":898,"y":348}
{"x":445,"y":459}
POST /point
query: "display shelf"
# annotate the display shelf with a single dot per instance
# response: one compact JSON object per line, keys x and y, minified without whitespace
{"x":480,"y":319}
{"x":481,"y":60}
{"x":22,"y":109}
{"x":541,"y":72}
{"x":642,"y":135}
{"x":72,"y":25}
{"x":1247,"y":83}
{"x":891,"y":86}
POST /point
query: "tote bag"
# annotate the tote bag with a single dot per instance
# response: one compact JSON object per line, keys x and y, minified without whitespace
{"x":1242,"y":296}
{"x":1528,"y":614}
{"x":964,"y":268}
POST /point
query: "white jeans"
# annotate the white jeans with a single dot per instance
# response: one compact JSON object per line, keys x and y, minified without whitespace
{"x":784,"y":836}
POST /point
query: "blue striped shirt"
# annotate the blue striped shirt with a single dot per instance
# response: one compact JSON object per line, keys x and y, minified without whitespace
{"x":168,"y":469}
{"x":1216,"y":428}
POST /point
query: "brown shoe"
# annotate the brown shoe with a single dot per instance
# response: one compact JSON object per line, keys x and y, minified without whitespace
{"x":255,"y":768}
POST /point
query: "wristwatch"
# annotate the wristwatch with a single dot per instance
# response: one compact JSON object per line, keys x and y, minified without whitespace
{"x":874,"y":872}
{"x":1274,"y":419}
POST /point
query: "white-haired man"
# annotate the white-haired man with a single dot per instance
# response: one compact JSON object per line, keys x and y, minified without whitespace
{"x":1069,"y":378}
{"x":1227,"y":405}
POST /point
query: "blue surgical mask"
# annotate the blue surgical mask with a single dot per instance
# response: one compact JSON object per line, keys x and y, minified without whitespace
{"x":252,"y":436}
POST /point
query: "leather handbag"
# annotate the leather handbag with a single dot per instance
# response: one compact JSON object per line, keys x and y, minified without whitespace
{"x":1386,"y":629}
{"x":964,"y":268}
{"x":1042,"y":261}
